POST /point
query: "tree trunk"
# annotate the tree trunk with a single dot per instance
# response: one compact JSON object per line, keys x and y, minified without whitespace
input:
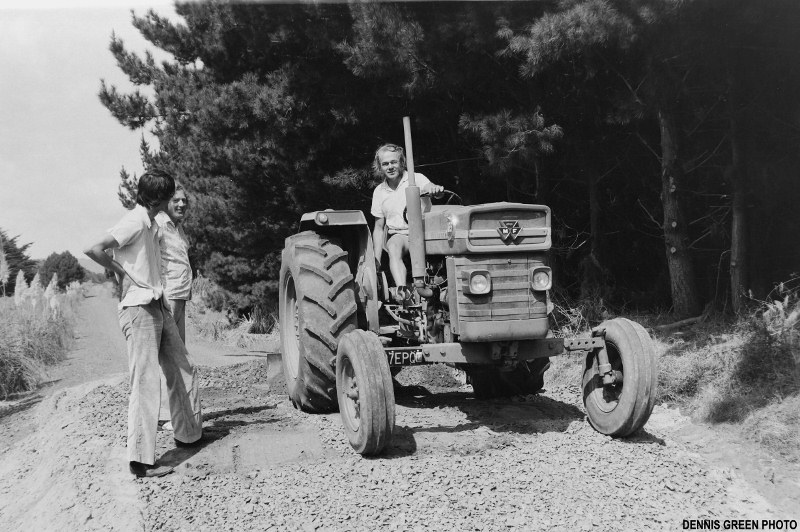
{"x":685,"y":300}
{"x":738,"y":259}
{"x":592,"y":275}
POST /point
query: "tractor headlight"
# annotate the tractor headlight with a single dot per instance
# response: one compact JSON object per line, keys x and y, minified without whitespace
{"x":541,"y":279}
{"x":480,"y":282}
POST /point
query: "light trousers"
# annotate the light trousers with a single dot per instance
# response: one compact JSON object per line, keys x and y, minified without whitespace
{"x":153,"y":340}
{"x":177,"y":308}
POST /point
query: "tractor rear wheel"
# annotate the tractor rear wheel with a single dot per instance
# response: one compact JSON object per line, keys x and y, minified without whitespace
{"x":317,"y":307}
{"x":365,"y":392}
{"x":525,"y":379}
{"x":622,"y":408}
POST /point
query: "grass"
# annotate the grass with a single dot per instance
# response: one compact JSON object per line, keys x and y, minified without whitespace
{"x":211,"y":322}
{"x":32,"y":337}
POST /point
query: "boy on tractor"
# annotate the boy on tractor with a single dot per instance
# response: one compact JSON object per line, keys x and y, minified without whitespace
{"x":388,"y":204}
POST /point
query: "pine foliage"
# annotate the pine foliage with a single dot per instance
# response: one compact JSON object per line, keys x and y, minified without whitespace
{"x":265,"y":111}
{"x":16,"y":259}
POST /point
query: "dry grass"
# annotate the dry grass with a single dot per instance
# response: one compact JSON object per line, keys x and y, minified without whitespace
{"x":777,"y":427}
{"x":32,"y":337}
{"x":223,"y":326}
{"x":208,"y":323}
{"x":744,"y":372}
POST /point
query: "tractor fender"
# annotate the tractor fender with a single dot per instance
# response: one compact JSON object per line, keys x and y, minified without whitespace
{"x":349,"y":228}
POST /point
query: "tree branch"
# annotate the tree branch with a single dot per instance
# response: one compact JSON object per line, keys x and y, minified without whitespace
{"x":639,"y":201}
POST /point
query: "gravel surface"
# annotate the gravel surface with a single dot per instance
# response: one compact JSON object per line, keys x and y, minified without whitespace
{"x":528,"y":463}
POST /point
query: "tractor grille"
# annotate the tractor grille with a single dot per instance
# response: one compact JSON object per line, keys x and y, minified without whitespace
{"x":533,"y":228}
{"x":510,"y":298}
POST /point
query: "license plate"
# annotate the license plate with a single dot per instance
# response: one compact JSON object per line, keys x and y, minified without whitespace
{"x":403,"y":357}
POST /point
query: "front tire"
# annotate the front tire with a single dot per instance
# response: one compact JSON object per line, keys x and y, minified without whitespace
{"x":620,"y":409}
{"x":365,"y":392}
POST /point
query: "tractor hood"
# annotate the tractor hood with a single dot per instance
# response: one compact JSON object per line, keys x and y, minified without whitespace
{"x":487,"y":228}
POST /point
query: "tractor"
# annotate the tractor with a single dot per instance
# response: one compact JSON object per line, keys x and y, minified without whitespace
{"x":480,"y":303}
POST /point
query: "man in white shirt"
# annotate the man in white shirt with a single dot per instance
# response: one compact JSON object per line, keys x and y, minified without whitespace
{"x":388,"y":204}
{"x":149,"y":330}
{"x":176,"y":272}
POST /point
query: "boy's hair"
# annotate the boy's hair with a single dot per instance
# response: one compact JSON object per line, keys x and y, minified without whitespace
{"x":376,"y":163}
{"x":154,"y":187}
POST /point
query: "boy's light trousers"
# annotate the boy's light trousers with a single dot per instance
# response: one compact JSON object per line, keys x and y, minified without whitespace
{"x":153,"y":340}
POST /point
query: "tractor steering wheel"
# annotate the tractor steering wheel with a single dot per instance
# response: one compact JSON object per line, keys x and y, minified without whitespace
{"x":439,"y":196}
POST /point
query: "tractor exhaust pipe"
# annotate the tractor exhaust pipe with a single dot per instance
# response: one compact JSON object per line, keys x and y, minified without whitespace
{"x":416,"y":230}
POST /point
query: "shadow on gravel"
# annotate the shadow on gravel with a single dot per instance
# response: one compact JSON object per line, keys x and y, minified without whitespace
{"x":178,"y":455}
{"x":642,"y":436}
{"x":249,"y":354}
{"x":218,"y":417}
{"x":501,"y":417}
{"x":403,"y":443}
{"x":538,"y":414}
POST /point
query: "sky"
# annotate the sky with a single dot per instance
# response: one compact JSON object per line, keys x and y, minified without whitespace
{"x":61,"y":151}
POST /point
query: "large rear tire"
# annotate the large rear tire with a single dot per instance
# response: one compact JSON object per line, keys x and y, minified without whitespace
{"x":622,"y":408}
{"x":525,"y":379}
{"x":317,"y":307}
{"x":365,"y":392}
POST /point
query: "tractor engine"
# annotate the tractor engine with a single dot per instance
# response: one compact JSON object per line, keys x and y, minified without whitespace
{"x":487,"y":272}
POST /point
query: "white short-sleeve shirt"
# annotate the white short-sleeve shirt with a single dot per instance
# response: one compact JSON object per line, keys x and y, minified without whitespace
{"x":139,"y":256}
{"x":176,"y":272}
{"x":390,"y":204}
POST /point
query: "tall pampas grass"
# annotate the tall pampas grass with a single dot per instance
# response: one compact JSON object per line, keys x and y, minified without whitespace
{"x":36,"y":331}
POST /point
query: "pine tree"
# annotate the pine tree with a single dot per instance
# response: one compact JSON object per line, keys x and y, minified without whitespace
{"x":4,"y":269}
{"x":17,"y":260}
{"x":641,"y":37}
{"x":250,"y":117}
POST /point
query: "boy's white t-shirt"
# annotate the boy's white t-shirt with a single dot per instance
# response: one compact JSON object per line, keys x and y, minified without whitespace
{"x":139,"y":256}
{"x":390,"y":204}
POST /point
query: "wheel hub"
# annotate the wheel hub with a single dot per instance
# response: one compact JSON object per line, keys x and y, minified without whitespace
{"x":292,"y":331}
{"x":352,"y":403}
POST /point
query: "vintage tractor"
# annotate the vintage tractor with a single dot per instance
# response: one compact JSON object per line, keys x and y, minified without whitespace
{"x":480,"y":303}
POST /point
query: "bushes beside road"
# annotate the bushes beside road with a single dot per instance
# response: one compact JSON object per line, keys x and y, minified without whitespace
{"x":36,"y":328}
{"x":211,"y":315}
{"x":746,"y":372}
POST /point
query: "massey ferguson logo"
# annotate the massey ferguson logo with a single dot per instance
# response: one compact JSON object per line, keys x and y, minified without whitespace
{"x":509,"y":229}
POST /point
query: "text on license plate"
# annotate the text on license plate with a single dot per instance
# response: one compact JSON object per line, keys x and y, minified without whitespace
{"x":405,"y":357}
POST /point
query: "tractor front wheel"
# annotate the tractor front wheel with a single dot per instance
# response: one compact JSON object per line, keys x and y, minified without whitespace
{"x":624,"y":406}
{"x":365,"y":392}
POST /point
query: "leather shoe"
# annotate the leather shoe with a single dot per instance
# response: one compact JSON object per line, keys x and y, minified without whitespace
{"x":198,"y":441}
{"x":149,"y":471}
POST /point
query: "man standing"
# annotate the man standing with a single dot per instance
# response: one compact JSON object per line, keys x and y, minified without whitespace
{"x":176,"y":272}
{"x":150,"y":332}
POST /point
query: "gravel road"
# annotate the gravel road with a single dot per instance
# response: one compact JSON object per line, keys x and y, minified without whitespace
{"x":529,"y":463}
